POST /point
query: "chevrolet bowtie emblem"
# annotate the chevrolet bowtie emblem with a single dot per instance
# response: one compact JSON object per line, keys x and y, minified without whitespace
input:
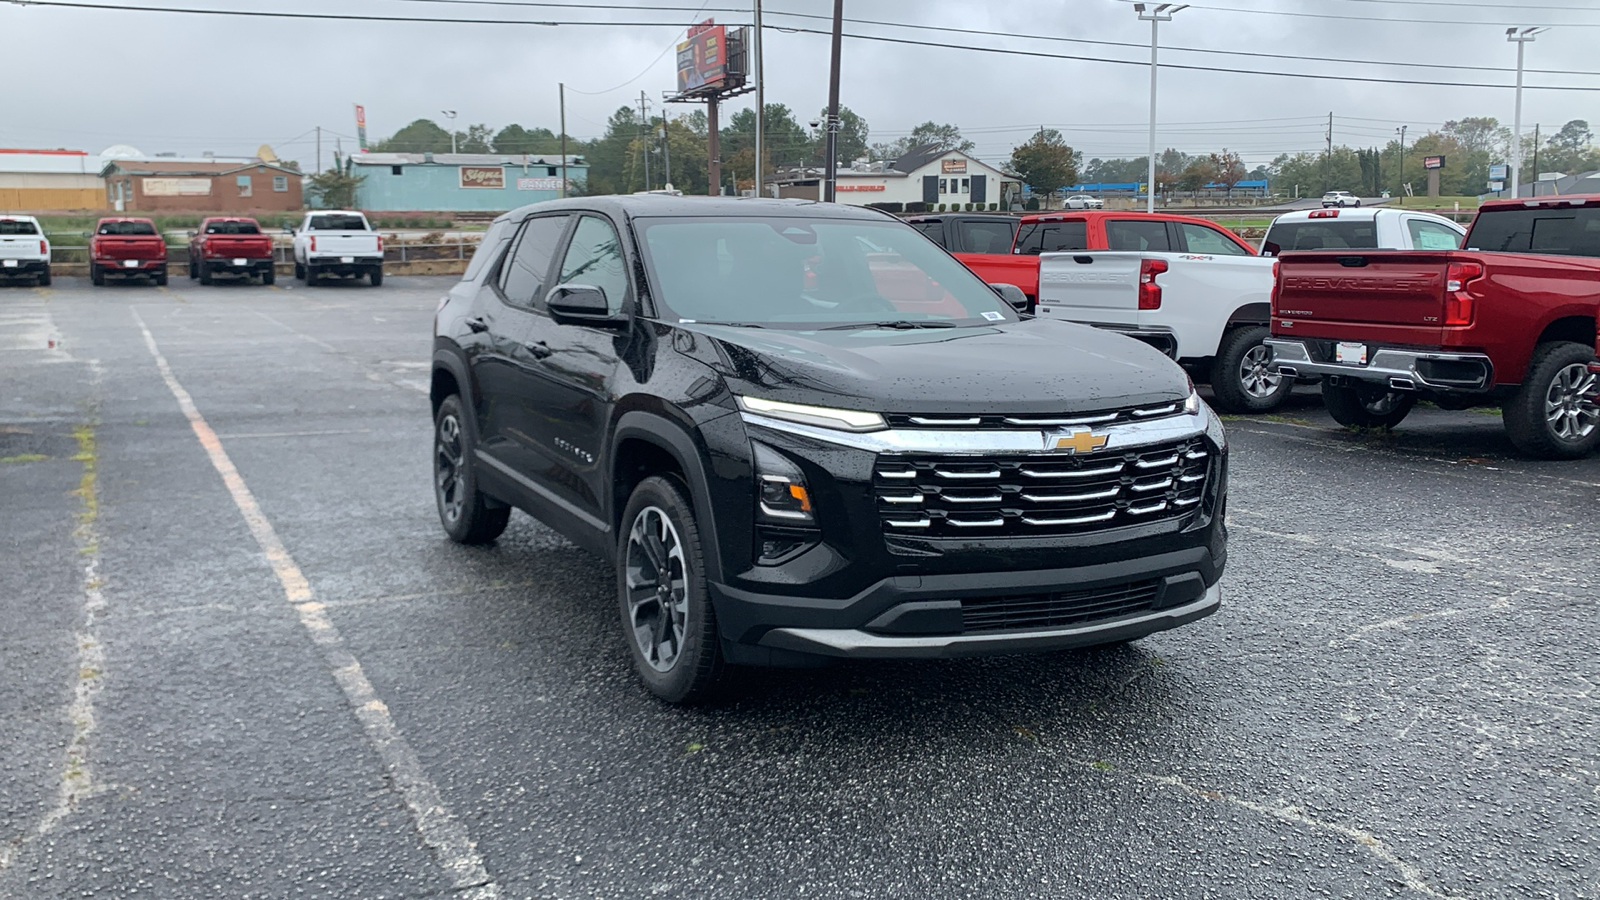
{"x":1079,"y":442}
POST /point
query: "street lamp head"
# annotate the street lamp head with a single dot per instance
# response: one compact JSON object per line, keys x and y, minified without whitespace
{"x":1518,"y":35}
{"x":1161,"y":13}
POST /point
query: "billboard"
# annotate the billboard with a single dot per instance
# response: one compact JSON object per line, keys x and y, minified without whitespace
{"x":1499,"y":173}
{"x":703,"y":58}
{"x":361,"y":126}
{"x":1433,"y":162}
{"x":492,"y":177}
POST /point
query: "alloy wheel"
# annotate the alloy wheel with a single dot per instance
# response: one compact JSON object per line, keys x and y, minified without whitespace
{"x":657,"y":588}
{"x":1572,"y":404}
{"x":447,"y":469}
{"x":1256,"y":375}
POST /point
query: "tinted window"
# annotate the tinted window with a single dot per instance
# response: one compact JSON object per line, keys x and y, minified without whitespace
{"x":338,"y":223}
{"x":232,"y":228}
{"x":595,"y":258}
{"x":1560,"y":232}
{"x":807,"y":273}
{"x":1426,"y":235}
{"x":13,"y":226}
{"x":1201,"y":239}
{"x":934,"y":231}
{"x":522,"y":280}
{"x":127,"y":228}
{"x":1321,"y":234}
{"x":1053,"y":237}
{"x":1137,"y":234}
{"x":494,"y":240}
{"x":987,"y":237}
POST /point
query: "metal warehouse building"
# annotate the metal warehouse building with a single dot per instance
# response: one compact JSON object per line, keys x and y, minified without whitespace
{"x":460,"y":182}
{"x":50,"y":179}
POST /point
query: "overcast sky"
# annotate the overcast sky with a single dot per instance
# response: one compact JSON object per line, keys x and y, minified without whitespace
{"x":86,"y":79}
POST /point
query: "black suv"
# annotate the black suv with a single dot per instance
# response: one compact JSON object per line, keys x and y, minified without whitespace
{"x":801,"y":430}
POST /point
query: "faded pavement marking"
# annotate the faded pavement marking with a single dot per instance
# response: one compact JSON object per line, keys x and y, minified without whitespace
{"x":445,"y":836}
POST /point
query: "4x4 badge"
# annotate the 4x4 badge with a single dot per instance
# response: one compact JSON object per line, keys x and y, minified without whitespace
{"x":1079,"y":442}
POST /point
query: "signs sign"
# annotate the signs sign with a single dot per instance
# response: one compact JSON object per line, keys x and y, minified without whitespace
{"x":953,"y":167}
{"x":175,"y":187}
{"x":490,"y":177}
{"x":703,"y":58}
{"x":1433,"y":162}
{"x":1499,"y":173}
{"x":859,"y":187}
{"x":538,"y":184}
{"x":361,"y":126}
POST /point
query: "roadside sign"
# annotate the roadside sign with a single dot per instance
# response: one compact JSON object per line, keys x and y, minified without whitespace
{"x":1433,"y":162}
{"x":1499,"y":172}
{"x":1497,"y":186}
{"x":361,"y":126}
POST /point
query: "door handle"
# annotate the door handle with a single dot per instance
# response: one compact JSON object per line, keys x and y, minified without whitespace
{"x":478,"y":325}
{"x":539,"y":349}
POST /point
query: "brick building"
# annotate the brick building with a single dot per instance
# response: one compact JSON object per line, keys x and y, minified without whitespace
{"x":219,"y":186}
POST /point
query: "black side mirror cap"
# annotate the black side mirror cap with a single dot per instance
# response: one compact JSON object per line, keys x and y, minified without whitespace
{"x":1013,"y":295}
{"x":582,"y":304}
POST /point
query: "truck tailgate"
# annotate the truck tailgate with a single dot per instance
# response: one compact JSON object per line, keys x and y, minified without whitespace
{"x":344,"y":243}
{"x":242,"y":246}
{"x":20,"y":246}
{"x":141,"y":246}
{"x":1396,"y":288}
{"x":1093,"y":286}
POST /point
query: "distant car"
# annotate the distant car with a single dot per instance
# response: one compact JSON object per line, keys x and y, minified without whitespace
{"x":1340,"y":199}
{"x":1085,"y":201}
{"x":24,"y":250}
{"x":124,"y":247}
{"x":227,"y":245}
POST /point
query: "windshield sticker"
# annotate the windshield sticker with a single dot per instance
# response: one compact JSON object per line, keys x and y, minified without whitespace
{"x":994,"y":316}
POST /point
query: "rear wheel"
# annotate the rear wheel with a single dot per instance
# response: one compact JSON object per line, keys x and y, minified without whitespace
{"x":1242,"y":379}
{"x":1366,"y":407}
{"x":161,"y":278}
{"x":311,"y":276}
{"x":205,"y":272}
{"x":44,"y":277}
{"x":468,"y":516}
{"x":377,"y":277}
{"x":269,"y":276}
{"x":1556,"y":413}
{"x":97,"y":275}
{"x":666,"y":609}
{"x":299,"y":272}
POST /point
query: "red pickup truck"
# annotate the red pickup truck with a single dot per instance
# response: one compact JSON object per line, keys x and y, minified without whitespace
{"x":1510,"y":319}
{"x":1094,"y":230}
{"x":127,"y":247}
{"x":230,"y":246}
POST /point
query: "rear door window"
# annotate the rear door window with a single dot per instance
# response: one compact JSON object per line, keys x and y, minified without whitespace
{"x":1426,"y":235}
{"x":1138,"y":234}
{"x":523,"y":277}
{"x":1204,"y":239}
{"x":1053,"y":237}
{"x":1321,"y":234}
{"x":978,"y":236}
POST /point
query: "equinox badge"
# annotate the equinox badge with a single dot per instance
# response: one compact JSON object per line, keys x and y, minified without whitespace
{"x":1079,"y":442}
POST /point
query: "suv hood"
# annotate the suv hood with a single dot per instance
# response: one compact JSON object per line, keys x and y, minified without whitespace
{"x":1035,"y":366}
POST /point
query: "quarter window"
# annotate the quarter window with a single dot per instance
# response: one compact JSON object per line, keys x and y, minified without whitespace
{"x":1136,"y":234}
{"x":523,"y":278}
{"x":594,"y":258}
{"x":494,"y":240}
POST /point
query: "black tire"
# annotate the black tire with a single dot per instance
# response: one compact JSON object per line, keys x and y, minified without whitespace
{"x":205,"y":272}
{"x":1366,"y":407}
{"x":161,"y":279}
{"x":467,"y":514}
{"x":44,"y":277}
{"x":269,"y":276}
{"x":377,"y":277}
{"x":311,"y":276}
{"x":299,"y":272}
{"x":194,"y":269}
{"x":1556,"y":412}
{"x":659,"y":513}
{"x":1241,"y":377}
{"x":97,"y":276}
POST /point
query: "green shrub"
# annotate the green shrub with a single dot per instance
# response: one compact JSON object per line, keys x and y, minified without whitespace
{"x":994,"y":207}
{"x":916,"y":206}
{"x":1032,"y":205}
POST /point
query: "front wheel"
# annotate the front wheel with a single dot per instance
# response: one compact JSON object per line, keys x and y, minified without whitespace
{"x":1242,"y":379}
{"x":666,"y":610}
{"x":468,"y":516}
{"x":1366,"y":407}
{"x":1556,"y":413}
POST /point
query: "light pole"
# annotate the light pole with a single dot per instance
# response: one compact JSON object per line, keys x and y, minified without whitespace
{"x":1402,"y":130}
{"x":1520,"y":37}
{"x":1155,"y":15}
{"x":451,"y":115}
{"x":761,"y":97}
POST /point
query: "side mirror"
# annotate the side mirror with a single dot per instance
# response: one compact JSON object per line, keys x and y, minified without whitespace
{"x":582,"y":304}
{"x":1013,"y":295}
{"x":194,"y":234}
{"x":88,"y":234}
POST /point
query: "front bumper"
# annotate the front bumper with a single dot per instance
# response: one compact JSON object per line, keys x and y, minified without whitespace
{"x":1393,"y":368}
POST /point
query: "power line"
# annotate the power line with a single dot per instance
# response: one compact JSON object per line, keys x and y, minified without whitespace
{"x":1454,"y":5}
{"x":341,"y":17}
{"x":1310,"y":15}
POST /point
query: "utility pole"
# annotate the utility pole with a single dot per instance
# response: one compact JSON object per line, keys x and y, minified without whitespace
{"x":644,"y":126}
{"x":563,"y":140}
{"x":1327,"y":158}
{"x":666,"y":150}
{"x":1536,"y":154}
{"x":714,"y":155}
{"x":1155,"y":16}
{"x":1521,"y":37}
{"x":761,"y":98}
{"x":319,"y":148}
{"x":831,"y":185}
{"x":1402,"y":182}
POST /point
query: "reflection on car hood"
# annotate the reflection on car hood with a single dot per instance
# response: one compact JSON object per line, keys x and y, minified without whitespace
{"x":1032,"y":366}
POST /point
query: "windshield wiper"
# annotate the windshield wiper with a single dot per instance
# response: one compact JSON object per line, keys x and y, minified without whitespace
{"x":723,"y":324}
{"x":898,"y":324}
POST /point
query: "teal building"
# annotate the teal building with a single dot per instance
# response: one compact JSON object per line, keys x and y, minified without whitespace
{"x":460,"y":182}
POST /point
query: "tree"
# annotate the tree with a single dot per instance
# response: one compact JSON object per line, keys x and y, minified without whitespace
{"x":1228,"y":169}
{"x":942,"y":137}
{"x":421,"y":136}
{"x":1570,"y":150}
{"x":784,"y":142}
{"x":852,"y":137}
{"x":474,"y":140}
{"x":609,"y":156}
{"x":1196,"y":175}
{"x":1045,"y":162}
{"x":514,"y":139}
{"x":334,"y":189}
{"x":1479,"y":134}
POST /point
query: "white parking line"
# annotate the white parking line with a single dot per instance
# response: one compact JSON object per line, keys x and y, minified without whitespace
{"x":444,"y":835}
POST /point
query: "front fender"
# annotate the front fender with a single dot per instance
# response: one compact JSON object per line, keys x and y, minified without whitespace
{"x":690,"y":452}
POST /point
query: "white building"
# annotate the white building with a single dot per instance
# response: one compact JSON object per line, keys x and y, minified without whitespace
{"x":926,"y":174}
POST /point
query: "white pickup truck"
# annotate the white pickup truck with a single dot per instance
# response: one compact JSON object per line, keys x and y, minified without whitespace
{"x":24,"y":250}
{"x":1371,"y":228}
{"x":337,"y":242}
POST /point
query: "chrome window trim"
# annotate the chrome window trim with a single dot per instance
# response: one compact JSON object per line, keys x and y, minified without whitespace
{"x":977,"y":442}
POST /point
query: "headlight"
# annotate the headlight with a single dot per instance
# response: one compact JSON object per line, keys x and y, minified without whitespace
{"x":781,"y":494}
{"x":819,"y":416}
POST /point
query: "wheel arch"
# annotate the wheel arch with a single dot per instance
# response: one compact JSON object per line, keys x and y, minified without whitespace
{"x":645,"y":444}
{"x":1251,"y":314}
{"x":1579,"y":329}
{"x":450,"y":376}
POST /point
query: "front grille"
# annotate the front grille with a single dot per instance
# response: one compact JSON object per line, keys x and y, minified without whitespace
{"x":1040,"y":494}
{"x":1059,"y":609}
{"x":997,"y":422}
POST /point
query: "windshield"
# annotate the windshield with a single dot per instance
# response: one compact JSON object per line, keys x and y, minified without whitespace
{"x":338,"y":223}
{"x":232,"y":228}
{"x":1321,"y":234}
{"x":807,"y":273}
{"x":17,"y":226}
{"x":127,"y":228}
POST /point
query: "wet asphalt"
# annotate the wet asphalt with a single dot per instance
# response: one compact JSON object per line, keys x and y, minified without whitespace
{"x":1398,"y":698}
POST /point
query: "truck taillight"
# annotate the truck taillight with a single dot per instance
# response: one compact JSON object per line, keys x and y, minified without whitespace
{"x":380,"y":243}
{"x":1275,"y":266}
{"x":1149,"y":291}
{"x":1457,"y":302}
{"x":313,"y":243}
{"x":44,"y":247}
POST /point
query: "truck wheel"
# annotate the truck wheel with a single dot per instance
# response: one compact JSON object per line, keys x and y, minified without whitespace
{"x":205,"y":272}
{"x":97,"y":276}
{"x":194,"y":269}
{"x":1364,"y":407}
{"x":468,"y":516}
{"x":269,"y":276}
{"x":44,"y":277}
{"x":311,"y":276}
{"x":299,"y":272}
{"x":377,"y":277}
{"x":1556,"y":412}
{"x":1242,"y":379}
{"x":161,"y":278}
{"x":667,"y":617}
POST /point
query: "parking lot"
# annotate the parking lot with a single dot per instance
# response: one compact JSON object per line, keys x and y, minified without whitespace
{"x":242,"y":660}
